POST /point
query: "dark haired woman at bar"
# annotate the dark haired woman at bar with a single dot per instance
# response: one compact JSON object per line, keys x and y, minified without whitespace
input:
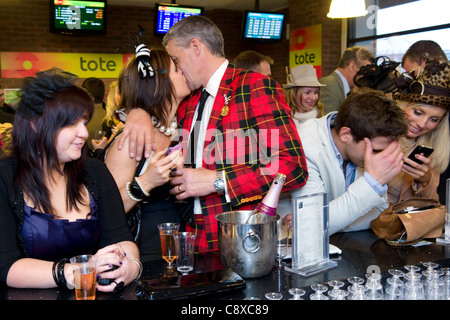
{"x":151,"y":81}
{"x":56,"y":203}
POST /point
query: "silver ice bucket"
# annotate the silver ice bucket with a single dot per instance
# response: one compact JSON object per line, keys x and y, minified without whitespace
{"x":249,"y":249}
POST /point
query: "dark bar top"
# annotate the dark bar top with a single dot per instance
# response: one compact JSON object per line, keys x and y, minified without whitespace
{"x":360,"y":251}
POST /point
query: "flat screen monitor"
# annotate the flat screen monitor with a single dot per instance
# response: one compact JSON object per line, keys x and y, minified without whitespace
{"x":78,"y":17}
{"x":166,"y":15}
{"x":261,"y":26}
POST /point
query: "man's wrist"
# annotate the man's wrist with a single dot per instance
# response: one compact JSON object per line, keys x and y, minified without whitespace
{"x":219,"y":183}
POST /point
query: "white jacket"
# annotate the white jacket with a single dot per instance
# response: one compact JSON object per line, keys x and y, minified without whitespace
{"x":350,"y":210}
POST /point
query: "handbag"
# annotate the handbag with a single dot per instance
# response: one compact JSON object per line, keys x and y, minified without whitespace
{"x":409,"y":221}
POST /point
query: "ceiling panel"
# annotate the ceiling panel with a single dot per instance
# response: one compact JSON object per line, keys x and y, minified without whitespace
{"x":264,"y":5}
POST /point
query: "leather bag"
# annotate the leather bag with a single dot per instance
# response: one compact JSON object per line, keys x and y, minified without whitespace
{"x":409,"y":221}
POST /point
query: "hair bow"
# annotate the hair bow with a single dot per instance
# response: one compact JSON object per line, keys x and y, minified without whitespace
{"x":143,"y":58}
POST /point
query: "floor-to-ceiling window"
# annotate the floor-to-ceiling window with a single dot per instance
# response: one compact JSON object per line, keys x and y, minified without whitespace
{"x":391,"y":26}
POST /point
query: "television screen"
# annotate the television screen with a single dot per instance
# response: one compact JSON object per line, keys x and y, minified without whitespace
{"x":78,"y":17}
{"x":166,"y":15}
{"x":263,"y":26}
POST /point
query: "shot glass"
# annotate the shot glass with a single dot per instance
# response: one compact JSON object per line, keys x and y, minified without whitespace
{"x":184,"y":246}
{"x":84,"y":272}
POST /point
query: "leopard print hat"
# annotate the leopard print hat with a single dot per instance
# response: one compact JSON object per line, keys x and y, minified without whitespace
{"x":431,"y":86}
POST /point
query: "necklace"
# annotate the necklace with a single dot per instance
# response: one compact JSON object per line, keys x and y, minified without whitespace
{"x":167,"y":131}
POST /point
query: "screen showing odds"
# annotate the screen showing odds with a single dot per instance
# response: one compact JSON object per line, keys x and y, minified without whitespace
{"x":263,"y":25}
{"x":79,"y":15}
{"x":168,"y":16}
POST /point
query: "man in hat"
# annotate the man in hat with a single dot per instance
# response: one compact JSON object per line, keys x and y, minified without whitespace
{"x":340,"y":81}
{"x":351,"y":155}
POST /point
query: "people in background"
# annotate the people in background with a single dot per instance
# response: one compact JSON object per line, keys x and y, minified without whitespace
{"x":352,"y":155}
{"x":420,"y":53}
{"x":6,"y":112}
{"x":158,"y":93}
{"x":57,"y":203}
{"x":302,"y":92}
{"x":110,"y":123}
{"x":254,"y":61}
{"x":379,"y":75}
{"x":96,"y":88}
{"x":6,"y":121}
{"x":226,"y":175}
{"x":340,"y":81}
{"x":425,"y":98}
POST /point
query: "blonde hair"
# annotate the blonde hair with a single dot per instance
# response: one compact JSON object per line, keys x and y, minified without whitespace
{"x":437,"y":138}
{"x":291,"y":94}
{"x":111,"y":105}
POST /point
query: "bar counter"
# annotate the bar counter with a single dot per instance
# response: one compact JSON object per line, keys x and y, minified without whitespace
{"x":360,"y":251}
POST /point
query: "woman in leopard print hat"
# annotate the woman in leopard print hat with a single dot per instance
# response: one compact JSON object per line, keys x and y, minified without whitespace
{"x":426,"y":101}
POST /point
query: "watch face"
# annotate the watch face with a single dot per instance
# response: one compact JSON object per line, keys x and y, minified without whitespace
{"x":220,"y":186}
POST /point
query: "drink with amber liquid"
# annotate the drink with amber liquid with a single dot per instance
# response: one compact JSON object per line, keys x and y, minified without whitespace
{"x":84,"y":280}
{"x":166,"y":235}
{"x":168,"y":245}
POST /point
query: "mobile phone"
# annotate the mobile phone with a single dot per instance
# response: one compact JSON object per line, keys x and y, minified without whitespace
{"x":420,"y":149}
{"x":174,"y":148}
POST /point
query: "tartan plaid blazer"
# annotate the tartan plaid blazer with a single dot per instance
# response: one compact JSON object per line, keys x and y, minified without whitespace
{"x":245,"y":102}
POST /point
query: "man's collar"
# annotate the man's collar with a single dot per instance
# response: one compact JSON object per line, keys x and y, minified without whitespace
{"x":214,"y":82}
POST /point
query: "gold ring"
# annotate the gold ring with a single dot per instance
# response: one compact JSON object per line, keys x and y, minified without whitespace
{"x":179,"y":190}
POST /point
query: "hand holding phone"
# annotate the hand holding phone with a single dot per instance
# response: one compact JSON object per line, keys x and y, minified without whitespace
{"x":420,"y":149}
{"x":174,"y":148}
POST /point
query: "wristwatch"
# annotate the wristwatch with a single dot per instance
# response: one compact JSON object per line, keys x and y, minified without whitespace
{"x":219,"y":184}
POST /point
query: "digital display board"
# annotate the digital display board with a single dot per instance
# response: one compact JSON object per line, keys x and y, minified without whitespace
{"x":263,"y":26}
{"x":78,"y":17}
{"x":166,"y":15}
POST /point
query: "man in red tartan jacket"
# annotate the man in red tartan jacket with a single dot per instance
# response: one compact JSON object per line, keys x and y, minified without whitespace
{"x":246,"y":133}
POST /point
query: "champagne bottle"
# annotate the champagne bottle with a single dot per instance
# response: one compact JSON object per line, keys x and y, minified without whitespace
{"x":267,"y":209}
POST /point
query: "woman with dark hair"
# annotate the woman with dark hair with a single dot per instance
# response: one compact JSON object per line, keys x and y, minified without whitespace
{"x":152,"y":82}
{"x":56,"y":203}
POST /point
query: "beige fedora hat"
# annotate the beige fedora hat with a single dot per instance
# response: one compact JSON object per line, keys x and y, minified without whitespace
{"x":303,"y":75}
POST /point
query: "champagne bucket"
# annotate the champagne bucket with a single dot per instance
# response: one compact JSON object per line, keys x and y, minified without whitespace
{"x":249,"y":249}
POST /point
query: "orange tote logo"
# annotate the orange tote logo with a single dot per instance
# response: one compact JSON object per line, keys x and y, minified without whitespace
{"x":24,"y":64}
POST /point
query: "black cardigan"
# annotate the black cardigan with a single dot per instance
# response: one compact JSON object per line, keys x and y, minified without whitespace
{"x":102,"y":187}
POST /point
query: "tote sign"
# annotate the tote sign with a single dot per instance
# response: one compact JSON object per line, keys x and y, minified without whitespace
{"x":305,"y":47}
{"x":84,"y":65}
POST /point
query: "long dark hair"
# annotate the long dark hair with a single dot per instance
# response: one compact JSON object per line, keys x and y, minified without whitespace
{"x":149,"y":93}
{"x":53,"y":107}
